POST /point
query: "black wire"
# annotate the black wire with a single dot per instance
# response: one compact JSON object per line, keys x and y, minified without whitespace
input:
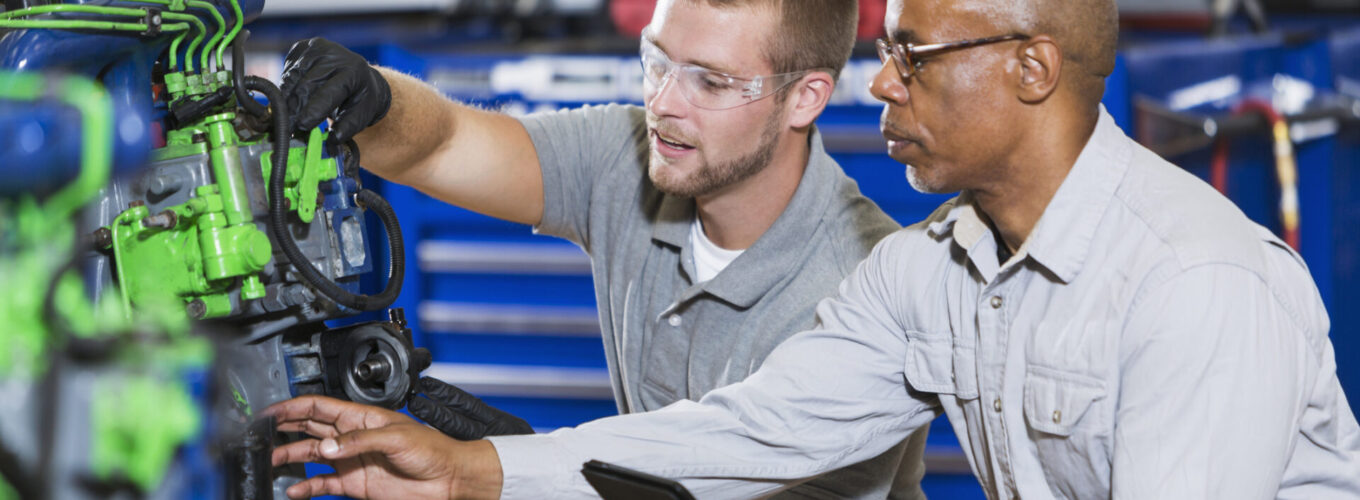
{"x":278,"y":218}
{"x":14,"y":474}
{"x":49,"y":390}
{"x":238,"y":73}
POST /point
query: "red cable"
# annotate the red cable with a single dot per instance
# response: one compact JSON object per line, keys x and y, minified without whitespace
{"x":1286,"y":168}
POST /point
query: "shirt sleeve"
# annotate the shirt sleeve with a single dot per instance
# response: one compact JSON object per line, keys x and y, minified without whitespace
{"x":580,"y":150}
{"x":1214,"y":371}
{"x":824,"y":399}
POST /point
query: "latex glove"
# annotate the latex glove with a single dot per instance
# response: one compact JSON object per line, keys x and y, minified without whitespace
{"x":378,"y":453}
{"x":322,"y":79}
{"x":461,"y":415}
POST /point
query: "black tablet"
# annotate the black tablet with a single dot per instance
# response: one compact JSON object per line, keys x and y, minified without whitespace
{"x":618,"y":483}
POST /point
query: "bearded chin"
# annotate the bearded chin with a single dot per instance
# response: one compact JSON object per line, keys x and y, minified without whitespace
{"x":709,"y":178}
{"x":921,"y":184}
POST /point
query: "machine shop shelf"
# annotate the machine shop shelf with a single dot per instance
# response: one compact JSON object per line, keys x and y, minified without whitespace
{"x":555,"y":382}
{"x":526,"y":319}
{"x":506,"y":258}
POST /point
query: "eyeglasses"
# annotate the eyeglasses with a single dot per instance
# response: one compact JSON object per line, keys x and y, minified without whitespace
{"x":909,"y":57}
{"x":705,"y":88}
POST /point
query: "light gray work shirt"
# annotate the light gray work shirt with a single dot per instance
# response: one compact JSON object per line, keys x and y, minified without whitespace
{"x":1147,"y":341}
{"x":667,"y":338}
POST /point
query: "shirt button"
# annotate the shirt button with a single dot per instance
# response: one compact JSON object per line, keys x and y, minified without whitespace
{"x":996,"y":302}
{"x":1057,"y":416}
{"x":996,"y":404}
{"x":674,"y":320}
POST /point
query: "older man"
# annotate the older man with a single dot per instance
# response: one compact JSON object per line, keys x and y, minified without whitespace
{"x":1095,"y":322}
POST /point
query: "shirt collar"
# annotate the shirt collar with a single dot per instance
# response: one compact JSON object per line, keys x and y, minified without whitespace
{"x":774,"y":254}
{"x":1061,"y":240}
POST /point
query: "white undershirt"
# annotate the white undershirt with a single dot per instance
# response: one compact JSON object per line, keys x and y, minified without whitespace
{"x":709,"y":259}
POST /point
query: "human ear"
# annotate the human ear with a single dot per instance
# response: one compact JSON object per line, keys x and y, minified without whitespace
{"x":809,"y":98}
{"x":1041,"y":64}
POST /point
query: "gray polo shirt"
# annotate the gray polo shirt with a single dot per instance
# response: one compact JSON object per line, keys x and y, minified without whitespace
{"x":667,"y":338}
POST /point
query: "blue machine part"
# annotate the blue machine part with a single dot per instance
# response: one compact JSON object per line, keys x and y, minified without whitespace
{"x":39,"y":147}
{"x":123,"y":63}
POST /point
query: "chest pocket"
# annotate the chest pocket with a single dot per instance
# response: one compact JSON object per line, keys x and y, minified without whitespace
{"x":935,"y":364}
{"x":1056,"y":402}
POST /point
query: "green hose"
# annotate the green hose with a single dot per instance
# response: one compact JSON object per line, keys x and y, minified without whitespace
{"x":8,"y":20}
{"x":70,"y":8}
{"x":240,"y":21}
{"x":193,"y":45}
{"x":217,"y":35}
{"x":83,"y":25}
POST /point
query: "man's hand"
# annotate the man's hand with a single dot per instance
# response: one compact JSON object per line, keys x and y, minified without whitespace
{"x":462,"y":415}
{"x":323,"y":79}
{"x":379,"y":453}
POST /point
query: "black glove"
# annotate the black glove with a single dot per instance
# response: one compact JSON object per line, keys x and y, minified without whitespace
{"x":461,"y":415}
{"x":323,"y":79}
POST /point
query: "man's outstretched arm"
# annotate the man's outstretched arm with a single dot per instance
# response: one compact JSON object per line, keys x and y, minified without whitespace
{"x":409,"y":133}
{"x":379,"y":454}
{"x":822,"y":400}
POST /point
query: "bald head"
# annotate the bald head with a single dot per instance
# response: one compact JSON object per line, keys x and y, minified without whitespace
{"x":1086,"y":30}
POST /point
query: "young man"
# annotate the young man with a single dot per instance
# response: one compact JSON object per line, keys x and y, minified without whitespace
{"x":714,"y":218}
{"x":1095,"y":322}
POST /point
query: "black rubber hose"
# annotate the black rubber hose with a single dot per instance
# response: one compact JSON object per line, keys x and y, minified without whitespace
{"x":12,"y":472}
{"x":278,"y":218}
{"x":49,"y":389}
{"x":238,"y":74}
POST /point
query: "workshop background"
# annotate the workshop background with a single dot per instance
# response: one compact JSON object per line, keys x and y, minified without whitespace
{"x":1259,"y":97}
{"x":510,"y":316}
{"x":1217,"y":87}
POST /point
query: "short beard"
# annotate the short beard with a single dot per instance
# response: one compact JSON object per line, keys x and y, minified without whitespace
{"x":920,"y":184}
{"x":708,"y":179}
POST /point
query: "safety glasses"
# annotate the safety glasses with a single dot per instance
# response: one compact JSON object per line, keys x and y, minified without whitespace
{"x":705,"y":88}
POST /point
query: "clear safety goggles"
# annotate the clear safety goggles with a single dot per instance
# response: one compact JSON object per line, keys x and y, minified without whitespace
{"x":705,"y":88}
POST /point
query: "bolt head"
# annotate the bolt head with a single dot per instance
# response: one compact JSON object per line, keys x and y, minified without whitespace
{"x":196,"y":309}
{"x":103,"y":237}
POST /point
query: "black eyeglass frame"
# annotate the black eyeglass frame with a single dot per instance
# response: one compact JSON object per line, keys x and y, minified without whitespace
{"x":908,"y":57}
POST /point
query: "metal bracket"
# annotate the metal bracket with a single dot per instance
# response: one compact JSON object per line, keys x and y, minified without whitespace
{"x":153,"y":22}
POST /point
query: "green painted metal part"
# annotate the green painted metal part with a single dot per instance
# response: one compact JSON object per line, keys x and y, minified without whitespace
{"x":231,"y":36}
{"x":226,"y":167}
{"x":242,"y":405}
{"x":141,"y":423}
{"x":302,"y":187}
{"x":196,"y":260}
{"x":213,"y":239}
{"x":7,"y":492}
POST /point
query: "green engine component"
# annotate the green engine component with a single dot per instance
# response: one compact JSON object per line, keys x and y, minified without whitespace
{"x":142,"y":421}
{"x":143,"y":412}
{"x":190,"y":251}
{"x":195,"y":251}
{"x":308,"y":169}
